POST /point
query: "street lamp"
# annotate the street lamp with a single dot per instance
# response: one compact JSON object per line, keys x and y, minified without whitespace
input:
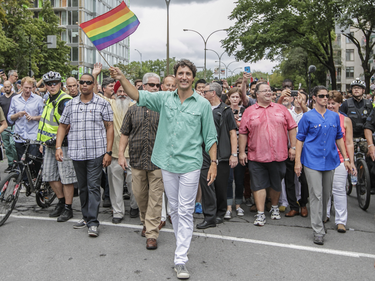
{"x":205,"y":44}
{"x":139,"y":54}
{"x":219,"y":56}
{"x":226,"y":67}
{"x":233,"y":72}
{"x":167,"y":2}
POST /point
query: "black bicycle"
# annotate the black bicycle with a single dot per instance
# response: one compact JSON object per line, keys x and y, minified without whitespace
{"x":363,"y":185}
{"x":10,"y":186}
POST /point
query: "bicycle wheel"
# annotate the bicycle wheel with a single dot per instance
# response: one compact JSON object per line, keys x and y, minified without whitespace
{"x":349,"y":186}
{"x":45,"y":195}
{"x":363,"y":184}
{"x":10,"y":190}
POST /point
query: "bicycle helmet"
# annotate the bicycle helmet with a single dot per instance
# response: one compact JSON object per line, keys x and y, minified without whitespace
{"x":358,"y":82}
{"x":51,"y":76}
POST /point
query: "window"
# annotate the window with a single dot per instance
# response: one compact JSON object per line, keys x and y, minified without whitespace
{"x":73,"y":35}
{"x":36,"y":2}
{"x":338,"y":74}
{"x":350,"y":72}
{"x":350,"y":55}
{"x":74,"y":54}
{"x":72,"y":17}
{"x":63,"y":18}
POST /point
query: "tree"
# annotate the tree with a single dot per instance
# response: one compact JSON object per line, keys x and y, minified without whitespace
{"x":50,"y":59}
{"x":264,"y":29}
{"x":360,"y":15}
{"x":27,"y":36}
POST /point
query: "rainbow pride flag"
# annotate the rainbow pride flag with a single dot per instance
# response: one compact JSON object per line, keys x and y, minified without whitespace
{"x":111,"y":27}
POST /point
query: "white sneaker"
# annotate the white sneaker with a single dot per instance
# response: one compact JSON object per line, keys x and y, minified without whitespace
{"x":228,"y":215}
{"x":260,"y":219}
{"x":182,"y":272}
{"x":240,"y":212}
{"x":275,"y":214}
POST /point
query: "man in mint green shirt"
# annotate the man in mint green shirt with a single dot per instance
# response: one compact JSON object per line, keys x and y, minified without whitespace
{"x":185,"y":123}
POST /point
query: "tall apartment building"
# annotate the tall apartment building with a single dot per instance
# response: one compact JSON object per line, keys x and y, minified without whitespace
{"x":347,"y":61}
{"x":83,"y":53}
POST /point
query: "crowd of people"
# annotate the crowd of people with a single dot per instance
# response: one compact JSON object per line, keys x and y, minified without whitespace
{"x":181,"y":147}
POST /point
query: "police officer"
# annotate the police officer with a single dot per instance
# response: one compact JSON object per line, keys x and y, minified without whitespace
{"x":60,"y":175}
{"x":357,"y":108}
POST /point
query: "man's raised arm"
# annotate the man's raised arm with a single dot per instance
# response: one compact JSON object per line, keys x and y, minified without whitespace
{"x":129,"y":88}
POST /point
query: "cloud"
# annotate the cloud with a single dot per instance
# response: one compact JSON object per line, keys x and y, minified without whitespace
{"x":162,"y":3}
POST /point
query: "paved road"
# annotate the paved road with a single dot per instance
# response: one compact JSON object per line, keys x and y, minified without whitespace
{"x":35,"y":247}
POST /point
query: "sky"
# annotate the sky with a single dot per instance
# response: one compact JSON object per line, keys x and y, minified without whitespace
{"x":204,"y":16}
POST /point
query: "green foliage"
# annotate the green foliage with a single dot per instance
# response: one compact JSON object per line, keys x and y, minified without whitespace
{"x":265,"y":29}
{"x":27,"y":36}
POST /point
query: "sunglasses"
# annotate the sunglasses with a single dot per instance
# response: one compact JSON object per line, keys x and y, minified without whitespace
{"x":323,"y":96}
{"x":153,"y":85}
{"x":88,"y":83}
{"x":52,"y":83}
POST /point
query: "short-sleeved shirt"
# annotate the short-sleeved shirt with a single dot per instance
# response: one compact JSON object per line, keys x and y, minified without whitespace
{"x":34,"y":107}
{"x":319,"y":135}
{"x":182,"y":130}
{"x":5,"y":103}
{"x":267,"y":132}
{"x":87,"y":136}
{"x":141,"y":125}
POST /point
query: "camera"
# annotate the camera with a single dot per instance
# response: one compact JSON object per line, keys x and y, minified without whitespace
{"x":294,"y":93}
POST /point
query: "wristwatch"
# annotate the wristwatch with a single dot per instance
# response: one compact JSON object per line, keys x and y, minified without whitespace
{"x":346,"y":159}
{"x":234,"y":154}
{"x":109,"y":153}
{"x":215,"y":161}
{"x":293,"y":147}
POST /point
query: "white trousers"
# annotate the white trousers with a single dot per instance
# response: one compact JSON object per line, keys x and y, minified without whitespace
{"x":339,"y":195}
{"x":181,"y":190}
{"x":165,"y":209}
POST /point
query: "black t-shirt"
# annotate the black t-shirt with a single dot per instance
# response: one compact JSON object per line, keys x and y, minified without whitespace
{"x":222,"y":114}
{"x":5,"y":104}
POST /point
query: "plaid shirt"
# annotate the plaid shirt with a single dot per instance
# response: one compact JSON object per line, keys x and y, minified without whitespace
{"x":87,"y":137}
{"x":141,"y":125}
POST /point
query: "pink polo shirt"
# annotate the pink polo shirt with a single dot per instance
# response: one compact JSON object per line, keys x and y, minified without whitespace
{"x":267,"y":132}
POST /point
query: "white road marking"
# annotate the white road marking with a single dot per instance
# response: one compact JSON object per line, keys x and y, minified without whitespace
{"x":229,"y":238}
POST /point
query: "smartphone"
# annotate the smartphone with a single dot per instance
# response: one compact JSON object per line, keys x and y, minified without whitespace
{"x":1,"y":71}
{"x":294,"y":93}
{"x":247,"y":69}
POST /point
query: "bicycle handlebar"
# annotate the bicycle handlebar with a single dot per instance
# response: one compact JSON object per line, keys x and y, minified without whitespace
{"x":18,"y":137}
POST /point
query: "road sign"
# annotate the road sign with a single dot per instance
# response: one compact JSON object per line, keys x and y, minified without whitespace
{"x":51,"y":41}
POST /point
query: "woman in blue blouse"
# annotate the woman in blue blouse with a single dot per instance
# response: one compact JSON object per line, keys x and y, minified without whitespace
{"x":318,"y":133}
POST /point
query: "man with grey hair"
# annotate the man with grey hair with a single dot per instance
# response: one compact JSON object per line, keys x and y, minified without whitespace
{"x":214,"y":196}
{"x":139,"y":131}
{"x":107,"y":87}
{"x":12,"y":78}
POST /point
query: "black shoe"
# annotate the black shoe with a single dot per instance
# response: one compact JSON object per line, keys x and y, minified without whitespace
{"x":219,"y":220}
{"x":373,"y":190}
{"x":28,"y":189}
{"x":59,"y":209}
{"x":116,"y":220}
{"x":126,"y":196}
{"x":205,"y":224}
{"x":65,"y":216}
{"x":134,"y":213}
{"x":106,"y":203}
{"x":7,"y":170}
